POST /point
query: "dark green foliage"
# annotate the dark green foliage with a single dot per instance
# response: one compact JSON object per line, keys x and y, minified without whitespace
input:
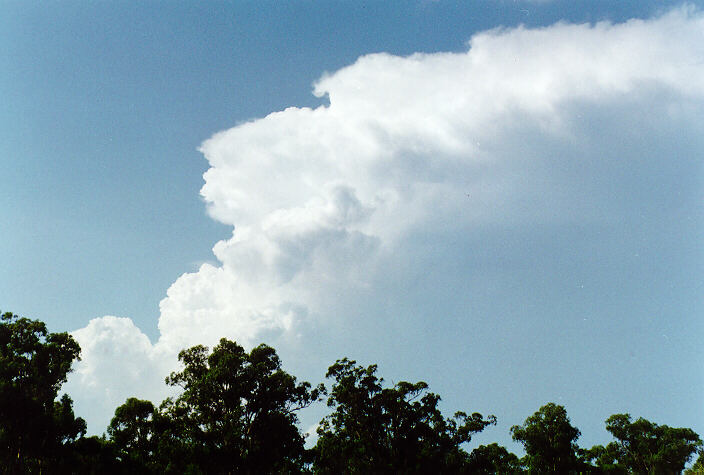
{"x":237,"y":413}
{"x":491,"y":459}
{"x":133,"y":431}
{"x":36,"y":429}
{"x":94,"y":456}
{"x":605,"y":460}
{"x":643,"y":447}
{"x":698,"y":467}
{"x":388,"y":430}
{"x":549,"y":441}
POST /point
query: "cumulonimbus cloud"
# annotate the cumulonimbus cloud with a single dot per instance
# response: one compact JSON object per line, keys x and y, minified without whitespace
{"x":319,"y":197}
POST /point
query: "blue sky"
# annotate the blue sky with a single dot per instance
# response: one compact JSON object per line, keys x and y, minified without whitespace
{"x":515,"y":220}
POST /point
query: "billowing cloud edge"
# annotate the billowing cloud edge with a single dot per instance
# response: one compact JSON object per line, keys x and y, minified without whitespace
{"x":319,"y":197}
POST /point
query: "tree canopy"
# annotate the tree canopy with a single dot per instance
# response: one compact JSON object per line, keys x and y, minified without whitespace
{"x":134,"y":431}
{"x":237,"y":412}
{"x":491,"y":459}
{"x":550,"y":441}
{"x":644,"y":447}
{"x":389,"y":430}
{"x":37,"y":427}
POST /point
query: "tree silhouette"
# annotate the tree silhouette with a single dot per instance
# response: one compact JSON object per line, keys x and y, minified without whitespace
{"x":389,"y":430}
{"x":36,"y":429}
{"x":237,"y":413}
{"x":549,"y":440}
{"x":644,"y":447}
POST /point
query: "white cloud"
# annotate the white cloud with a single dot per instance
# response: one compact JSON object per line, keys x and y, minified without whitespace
{"x":319,"y":198}
{"x":117,"y":361}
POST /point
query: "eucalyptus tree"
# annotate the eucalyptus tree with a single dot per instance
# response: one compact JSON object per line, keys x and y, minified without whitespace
{"x":373,"y":429}
{"x":643,"y":447}
{"x":492,"y":459}
{"x":549,"y":441}
{"x":37,"y":427}
{"x":237,"y":412}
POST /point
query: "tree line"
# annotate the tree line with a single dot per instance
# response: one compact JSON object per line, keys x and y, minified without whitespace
{"x":237,"y":413}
